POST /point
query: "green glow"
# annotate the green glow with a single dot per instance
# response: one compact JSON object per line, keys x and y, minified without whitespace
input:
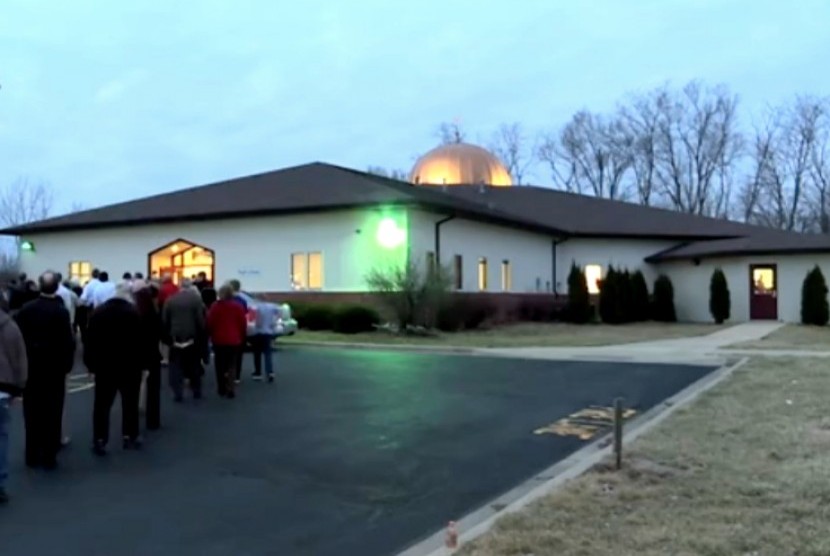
{"x":381,"y":242}
{"x":27,"y":246}
{"x":389,"y":234}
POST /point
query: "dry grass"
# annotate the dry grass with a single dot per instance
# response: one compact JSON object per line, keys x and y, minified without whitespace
{"x":524,"y":335}
{"x":743,"y":471}
{"x":793,"y":336}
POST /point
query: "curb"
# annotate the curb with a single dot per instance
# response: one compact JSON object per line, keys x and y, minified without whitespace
{"x":481,"y":520}
{"x":383,"y":347}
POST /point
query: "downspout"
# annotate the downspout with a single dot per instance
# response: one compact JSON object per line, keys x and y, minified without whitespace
{"x":554,"y":243}
{"x":438,"y":238}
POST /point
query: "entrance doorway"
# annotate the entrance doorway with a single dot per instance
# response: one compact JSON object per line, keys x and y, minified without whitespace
{"x":763,"y":288}
{"x":181,"y":259}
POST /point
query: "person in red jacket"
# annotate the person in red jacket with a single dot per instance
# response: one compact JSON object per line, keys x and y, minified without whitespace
{"x":167,"y":290}
{"x":227,"y":326}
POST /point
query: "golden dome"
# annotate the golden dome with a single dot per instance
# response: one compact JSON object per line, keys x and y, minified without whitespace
{"x":459,"y":163}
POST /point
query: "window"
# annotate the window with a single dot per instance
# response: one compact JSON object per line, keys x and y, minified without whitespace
{"x":482,"y":273}
{"x":458,"y":272}
{"x":506,"y":277}
{"x":307,"y":271}
{"x":80,"y":271}
{"x":763,"y":279}
{"x":593,"y":276}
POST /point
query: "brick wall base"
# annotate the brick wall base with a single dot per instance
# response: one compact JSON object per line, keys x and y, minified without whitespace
{"x":506,"y":307}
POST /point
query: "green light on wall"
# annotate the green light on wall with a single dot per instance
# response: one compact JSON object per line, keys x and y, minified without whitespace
{"x":389,"y":234}
{"x":27,"y":246}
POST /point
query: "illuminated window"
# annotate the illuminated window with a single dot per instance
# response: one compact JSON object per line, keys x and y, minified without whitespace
{"x":458,"y":272}
{"x":763,"y":279}
{"x":80,"y":272}
{"x":482,"y":274}
{"x":593,"y":275}
{"x":506,"y":276}
{"x":315,"y":271}
{"x":307,"y":271}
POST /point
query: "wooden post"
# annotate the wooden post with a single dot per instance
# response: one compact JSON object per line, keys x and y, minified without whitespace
{"x":618,"y":431}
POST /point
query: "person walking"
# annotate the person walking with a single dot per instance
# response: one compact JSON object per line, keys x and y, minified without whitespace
{"x":227,"y":326}
{"x":151,"y":356}
{"x":70,"y":301}
{"x":104,"y":291}
{"x":113,"y":355}
{"x":13,"y":369}
{"x":183,"y":330}
{"x":263,"y":339}
{"x":236,"y":288}
{"x":167,"y":289}
{"x":50,"y":350}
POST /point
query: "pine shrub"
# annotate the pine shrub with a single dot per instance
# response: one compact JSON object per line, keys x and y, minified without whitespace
{"x":814,"y":306}
{"x":639,"y":297}
{"x":719,"y":299}
{"x":609,"y":297}
{"x":578,"y":309}
{"x":663,"y":306}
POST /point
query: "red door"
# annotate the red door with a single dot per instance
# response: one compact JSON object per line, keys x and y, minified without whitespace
{"x":763,"y":292}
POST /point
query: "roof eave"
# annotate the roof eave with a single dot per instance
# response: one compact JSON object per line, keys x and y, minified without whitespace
{"x":658,"y":258}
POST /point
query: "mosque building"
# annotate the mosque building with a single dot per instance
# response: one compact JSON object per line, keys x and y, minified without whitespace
{"x":315,"y":231}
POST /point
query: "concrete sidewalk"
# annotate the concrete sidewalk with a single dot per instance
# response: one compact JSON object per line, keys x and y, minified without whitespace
{"x":695,"y":350}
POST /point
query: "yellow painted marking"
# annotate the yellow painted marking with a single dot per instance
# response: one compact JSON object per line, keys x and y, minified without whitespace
{"x":81,"y":388}
{"x":585,"y":423}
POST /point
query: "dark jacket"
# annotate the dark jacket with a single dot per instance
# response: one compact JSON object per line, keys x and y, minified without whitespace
{"x":13,"y":362}
{"x":183,"y":317}
{"x":150,"y":338}
{"x":114,"y":339}
{"x":50,"y":344}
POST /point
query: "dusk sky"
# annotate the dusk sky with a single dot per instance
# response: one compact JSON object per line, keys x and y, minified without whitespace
{"x":109,"y":101}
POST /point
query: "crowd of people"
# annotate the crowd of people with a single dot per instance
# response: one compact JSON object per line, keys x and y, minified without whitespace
{"x":127,"y":333}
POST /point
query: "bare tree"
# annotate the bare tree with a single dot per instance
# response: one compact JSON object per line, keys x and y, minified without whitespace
{"x":451,"y":132}
{"x":591,"y":154}
{"x":394,"y":173}
{"x":788,"y":187}
{"x":696,"y":145}
{"x":25,"y":201}
{"x":638,"y":123}
{"x":511,"y":145}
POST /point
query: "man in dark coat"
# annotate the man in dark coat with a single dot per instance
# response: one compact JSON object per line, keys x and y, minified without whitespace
{"x":113,"y":354}
{"x":50,"y":350}
{"x":183,"y":329}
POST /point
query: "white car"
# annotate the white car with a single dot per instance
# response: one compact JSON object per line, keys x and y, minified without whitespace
{"x":285,"y":325}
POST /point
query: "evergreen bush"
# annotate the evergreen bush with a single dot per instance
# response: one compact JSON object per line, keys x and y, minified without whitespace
{"x":353,"y":319}
{"x":814,"y":306}
{"x":578,"y":308}
{"x":609,"y":297}
{"x":316,"y":317}
{"x":719,"y":299}
{"x":639,"y":297}
{"x":663,"y":305}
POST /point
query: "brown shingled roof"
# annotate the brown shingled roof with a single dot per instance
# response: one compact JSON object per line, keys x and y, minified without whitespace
{"x":306,"y":188}
{"x":319,"y":186}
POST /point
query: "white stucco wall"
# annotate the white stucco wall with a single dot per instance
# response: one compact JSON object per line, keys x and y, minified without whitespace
{"x":621,"y":253}
{"x":530,"y":254}
{"x":257,"y":251}
{"x":691,"y":284}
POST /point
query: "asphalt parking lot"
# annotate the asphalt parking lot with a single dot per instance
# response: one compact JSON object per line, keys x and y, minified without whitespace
{"x":349,"y":452}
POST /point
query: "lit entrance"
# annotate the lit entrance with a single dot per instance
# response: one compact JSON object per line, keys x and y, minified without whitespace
{"x":182,"y":259}
{"x":763,"y":287}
